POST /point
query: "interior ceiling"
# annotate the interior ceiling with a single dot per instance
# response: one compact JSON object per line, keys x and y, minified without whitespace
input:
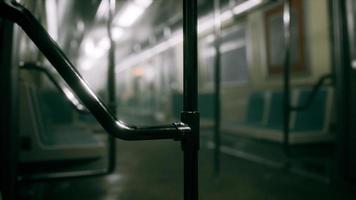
{"x":71,"y":14}
{"x":156,"y":16}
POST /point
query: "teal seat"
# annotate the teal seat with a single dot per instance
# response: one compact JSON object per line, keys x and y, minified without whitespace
{"x":206,"y":105}
{"x":177,"y":104}
{"x":55,"y":120}
{"x":68,"y":135}
{"x":255,"y":109}
{"x":275,"y":115}
{"x":57,"y":107}
{"x":49,"y":138}
{"x":313,"y":118}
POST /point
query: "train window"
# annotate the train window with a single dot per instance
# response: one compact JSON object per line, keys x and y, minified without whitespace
{"x":274,"y":38}
{"x":233,"y":50}
{"x":207,"y":60}
{"x":234,"y":56}
{"x":168,"y":70}
{"x":352,"y":25}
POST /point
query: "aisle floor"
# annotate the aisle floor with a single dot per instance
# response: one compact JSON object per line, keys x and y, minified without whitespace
{"x":152,"y":170}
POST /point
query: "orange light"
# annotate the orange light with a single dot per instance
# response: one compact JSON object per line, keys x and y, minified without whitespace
{"x":137,"y":71}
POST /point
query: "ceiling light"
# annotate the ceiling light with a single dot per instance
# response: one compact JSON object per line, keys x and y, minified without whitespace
{"x":241,"y":8}
{"x":96,"y":51}
{"x":104,"y":43}
{"x":52,"y":18}
{"x":102,"y":10}
{"x":129,"y":15}
{"x":143,"y":3}
{"x":117,"y":33}
{"x":89,"y":46}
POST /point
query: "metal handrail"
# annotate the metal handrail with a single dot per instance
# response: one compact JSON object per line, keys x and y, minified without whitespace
{"x":186,"y":131}
{"x":315,"y":90}
{"x":287,"y":107}
{"x":76,"y":104}
{"x":17,"y":13}
{"x":111,"y":147}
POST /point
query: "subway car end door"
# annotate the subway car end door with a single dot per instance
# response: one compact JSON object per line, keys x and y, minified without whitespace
{"x":344,"y":38}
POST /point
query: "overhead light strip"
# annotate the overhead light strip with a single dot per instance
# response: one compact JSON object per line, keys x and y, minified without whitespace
{"x":205,"y":24}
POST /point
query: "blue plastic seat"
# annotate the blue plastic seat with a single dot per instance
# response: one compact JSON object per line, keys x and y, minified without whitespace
{"x":177,"y":104}
{"x":54,"y":118}
{"x":206,"y":105}
{"x":275,"y":115}
{"x":255,"y":109}
{"x":313,"y":118}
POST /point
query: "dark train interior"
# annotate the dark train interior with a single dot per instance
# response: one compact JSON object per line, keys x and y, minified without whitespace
{"x":177,"y":99}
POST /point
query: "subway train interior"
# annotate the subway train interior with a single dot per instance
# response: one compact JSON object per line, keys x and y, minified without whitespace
{"x":177,"y":99}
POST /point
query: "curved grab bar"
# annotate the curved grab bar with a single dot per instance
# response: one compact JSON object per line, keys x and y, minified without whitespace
{"x":15,"y":12}
{"x":287,"y":107}
{"x":77,"y":105}
{"x":315,"y":89}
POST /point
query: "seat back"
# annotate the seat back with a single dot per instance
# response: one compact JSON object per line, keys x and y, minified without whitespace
{"x":314,"y":117}
{"x":255,"y":108}
{"x":275,"y":113}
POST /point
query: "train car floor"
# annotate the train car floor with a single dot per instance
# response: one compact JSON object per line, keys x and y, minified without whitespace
{"x":152,"y":170}
{"x":310,"y":160}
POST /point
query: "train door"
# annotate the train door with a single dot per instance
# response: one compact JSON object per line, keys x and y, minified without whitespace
{"x":8,"y":114}
{"x":345,"y":60}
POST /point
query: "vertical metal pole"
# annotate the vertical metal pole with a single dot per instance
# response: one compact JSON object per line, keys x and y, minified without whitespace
{"x":342,"y":58}
{"x":111,"y":66}
{"x":8,"y":110}
{"x":286,"y":104}
{"x":190,"y":115}
{"x":217,"y":33}
{"x":111,"y":85}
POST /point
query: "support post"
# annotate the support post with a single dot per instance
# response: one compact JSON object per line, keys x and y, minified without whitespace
{"x":8,"y":110}
{"x":111,"y":86}
{"x":286,"y":81}
{"x":190,"y":115}
{"x":217,"y":33}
